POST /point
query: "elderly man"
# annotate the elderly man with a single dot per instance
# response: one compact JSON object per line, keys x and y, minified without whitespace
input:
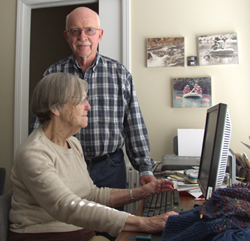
{"x":115,"y":118}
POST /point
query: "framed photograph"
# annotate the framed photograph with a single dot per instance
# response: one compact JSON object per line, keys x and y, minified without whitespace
{"x":192,"y":92}
{"x":218,"y":49}
{"x":165,"y":52}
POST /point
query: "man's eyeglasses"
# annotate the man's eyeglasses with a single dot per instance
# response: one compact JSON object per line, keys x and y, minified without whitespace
{"x":77,"y":31}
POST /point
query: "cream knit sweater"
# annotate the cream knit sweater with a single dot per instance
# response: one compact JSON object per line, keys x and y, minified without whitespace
{"x":54,"y":193}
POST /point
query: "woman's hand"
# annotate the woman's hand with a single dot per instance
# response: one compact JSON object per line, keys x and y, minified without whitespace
{"x":154,"y":224}
{"x":146,"y":179}
{"x":157,"y":186}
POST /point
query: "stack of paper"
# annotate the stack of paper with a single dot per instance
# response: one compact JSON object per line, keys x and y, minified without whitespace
{"x":190,"y":142}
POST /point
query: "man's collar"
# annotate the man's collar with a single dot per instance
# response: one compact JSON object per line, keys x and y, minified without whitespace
{"x":97,"y":59}
{"x":98,"y":56}
{"x":75,"y":62}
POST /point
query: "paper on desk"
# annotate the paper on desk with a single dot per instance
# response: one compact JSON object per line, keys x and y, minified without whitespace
{"x":192,"y":190}
{"x":190,"y":142}
{"x":195,"y":193}
{"x":182,"y":186}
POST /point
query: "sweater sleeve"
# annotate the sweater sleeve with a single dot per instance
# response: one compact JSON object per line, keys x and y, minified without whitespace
{"x":40,"y":194}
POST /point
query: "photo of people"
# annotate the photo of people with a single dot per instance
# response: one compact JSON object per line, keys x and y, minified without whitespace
{"x":192,"y":92}
{"x":218,"y":49}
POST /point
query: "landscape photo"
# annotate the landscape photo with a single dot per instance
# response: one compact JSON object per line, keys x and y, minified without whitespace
{"x":165,"y":52}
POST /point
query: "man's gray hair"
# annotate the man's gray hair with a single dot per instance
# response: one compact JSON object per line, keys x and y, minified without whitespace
{"x":54,"y":91}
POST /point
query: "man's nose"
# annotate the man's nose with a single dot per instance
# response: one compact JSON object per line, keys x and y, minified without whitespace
{"x":82,"y":36}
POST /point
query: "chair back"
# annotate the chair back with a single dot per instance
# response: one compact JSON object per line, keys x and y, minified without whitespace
{"x":5,"y":206}
{"x":2,"y":179}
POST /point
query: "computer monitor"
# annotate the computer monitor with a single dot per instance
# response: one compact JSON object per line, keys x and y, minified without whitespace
{"x":215,"y":150}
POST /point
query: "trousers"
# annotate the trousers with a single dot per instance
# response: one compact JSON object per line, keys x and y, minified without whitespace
{"x":110,"y":172}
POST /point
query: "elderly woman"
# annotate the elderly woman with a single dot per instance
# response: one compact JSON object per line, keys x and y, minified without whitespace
{"x":54,"y":198}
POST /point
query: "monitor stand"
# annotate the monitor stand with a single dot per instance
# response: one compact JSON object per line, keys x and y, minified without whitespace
{"x":231,"y":161}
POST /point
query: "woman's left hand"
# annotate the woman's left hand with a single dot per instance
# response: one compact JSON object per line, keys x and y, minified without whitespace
{"x":157,"y":186}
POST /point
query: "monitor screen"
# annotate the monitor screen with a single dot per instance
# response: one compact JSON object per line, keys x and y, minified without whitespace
{"x":215,"y":149}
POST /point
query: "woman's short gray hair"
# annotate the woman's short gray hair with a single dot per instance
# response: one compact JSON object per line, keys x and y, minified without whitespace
{"x":54,"y":91}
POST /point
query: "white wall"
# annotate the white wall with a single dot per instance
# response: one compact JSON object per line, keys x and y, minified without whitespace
{"x":230,"y":83}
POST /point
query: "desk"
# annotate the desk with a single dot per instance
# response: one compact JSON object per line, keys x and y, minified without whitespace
{"x":187,"y":202}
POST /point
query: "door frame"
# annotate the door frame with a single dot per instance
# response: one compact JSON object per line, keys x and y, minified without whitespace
{"x":22,"y":61}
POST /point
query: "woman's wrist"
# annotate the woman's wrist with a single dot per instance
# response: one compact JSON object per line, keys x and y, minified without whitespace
{"x":137,"y":194}
{"x":131,"y":195}
{"x":134,"y":223}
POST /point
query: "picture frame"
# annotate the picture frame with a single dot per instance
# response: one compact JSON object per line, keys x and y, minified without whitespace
{"x":194,"y":92}
{"x":165,"y":52}
{"x":218,"y":49}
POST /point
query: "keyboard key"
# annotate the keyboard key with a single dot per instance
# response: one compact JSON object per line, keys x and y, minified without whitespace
{"x":169,"y":197}
{"x":176,"y":197}
{"x":158,"y":202}
{"x":154,"y":200}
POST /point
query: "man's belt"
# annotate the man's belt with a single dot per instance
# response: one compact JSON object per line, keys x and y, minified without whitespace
{"x":91,"y":161}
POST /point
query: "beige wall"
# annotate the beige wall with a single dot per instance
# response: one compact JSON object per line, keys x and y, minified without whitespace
{"x":158,"y":18}
{"x":7,"y":75}
{"x":230,"y":83}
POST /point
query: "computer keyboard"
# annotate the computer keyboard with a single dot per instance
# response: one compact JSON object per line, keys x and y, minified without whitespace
{"x":159,"y":203}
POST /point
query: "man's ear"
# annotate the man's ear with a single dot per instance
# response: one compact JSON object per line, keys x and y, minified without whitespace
{"x":100,"y":34}
{"x":65,"y":33}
